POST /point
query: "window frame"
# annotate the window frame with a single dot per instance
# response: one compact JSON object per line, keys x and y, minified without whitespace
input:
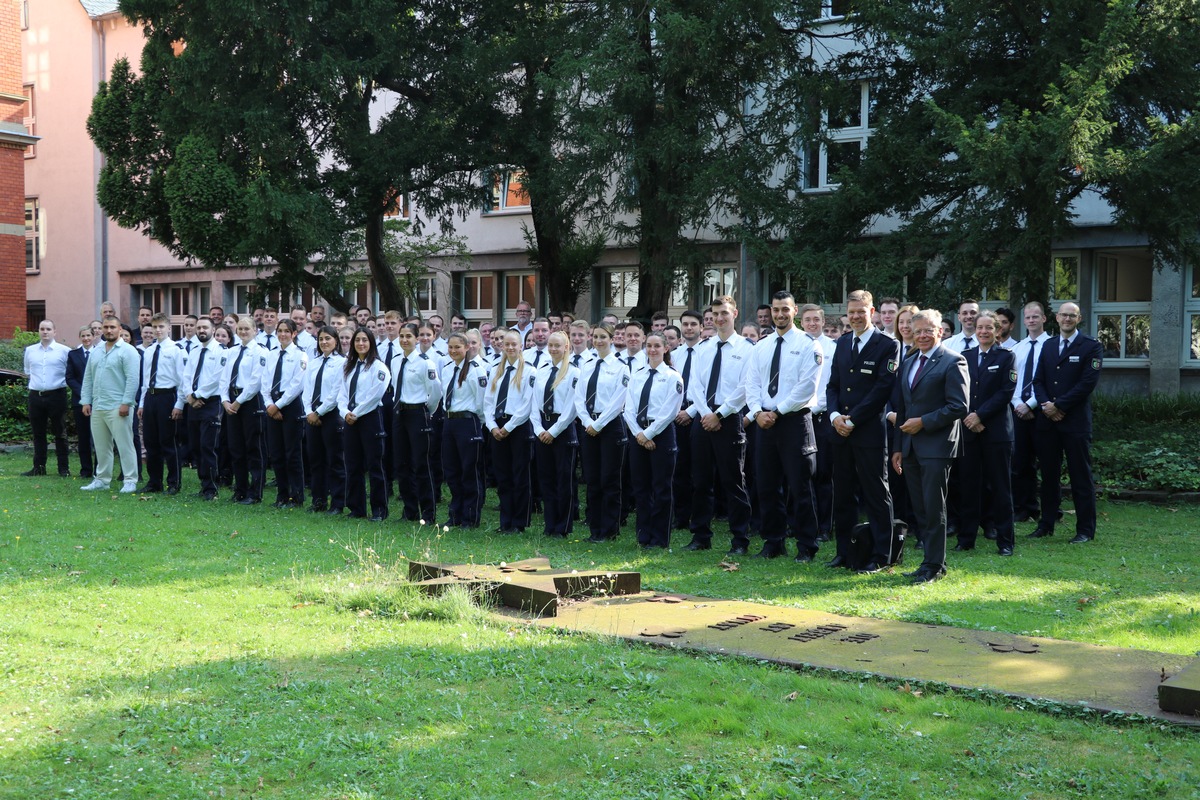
{"x":1124,"y":309}
{"x":501,"y":181}
{"x":819,"y":149}
{"x":29,"y":116}
{"x":35,"y":240}
{"x":485,"y":308}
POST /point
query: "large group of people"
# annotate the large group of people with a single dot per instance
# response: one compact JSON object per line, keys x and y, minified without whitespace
{"x":791,"y":427}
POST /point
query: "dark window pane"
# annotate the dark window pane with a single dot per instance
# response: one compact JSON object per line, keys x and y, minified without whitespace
{"x":1137,"y":336}
{"x":1108,"y":332}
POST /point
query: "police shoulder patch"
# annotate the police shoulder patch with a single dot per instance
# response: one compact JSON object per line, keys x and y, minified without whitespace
{"x":222,"y":361}
{"x":574,"y":382}
{"x":1095,"y":363}
{"x":432,"y":375}
{"x":262,"y":362}
{"x":483,"y":381}
{"x":891,"y":365}
{"x":624,"y":380}
{"x":818,"y":357}
{"x":382,"y":376}
{"x":1012,"y":376}
{"x":532,"y":379}
{"x":679,"y":387}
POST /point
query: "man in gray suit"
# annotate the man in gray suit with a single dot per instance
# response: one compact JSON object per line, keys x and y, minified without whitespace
{"x":933,"y":402}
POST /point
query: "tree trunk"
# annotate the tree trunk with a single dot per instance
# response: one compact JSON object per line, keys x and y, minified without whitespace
{"x":390,"y":296}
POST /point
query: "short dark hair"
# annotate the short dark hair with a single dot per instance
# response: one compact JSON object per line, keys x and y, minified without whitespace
{"x":1007,"y":313}
{"x":634,"y":324}
{"x":765,"y":307}
{"x":782,"y":294}
{"x":678,"y":332}
{"x":696,"y":315}
{"x":893,"y":300}
{"x":659,"y":315}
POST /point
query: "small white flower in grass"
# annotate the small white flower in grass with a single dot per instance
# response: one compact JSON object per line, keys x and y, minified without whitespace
{"x":421,"y":521}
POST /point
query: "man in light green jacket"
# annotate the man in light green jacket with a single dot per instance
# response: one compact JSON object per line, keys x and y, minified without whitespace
{"x":109,"y":392}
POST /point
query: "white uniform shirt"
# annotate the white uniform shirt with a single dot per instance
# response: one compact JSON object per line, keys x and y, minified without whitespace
{"x":800,"y":364}
{"x":680,"y":357}
{"x":518,"y":402}
{"x":828,"y":347}
{"x":267,"y":341}
{"x":421,"y":381}
{"x":666,"y":398}
{"x":1020,"y":356}
{"x":367,"y":392}
{"x":249,"y":372}
{"x":562,"y":397}
{"x":537,"y":357}
{"x":468,"y":395}
{"x":308,"y":343}
{"x":731,"y":393}
{"x":291,"y":377}
{"x":170,"y":366}
{"x":330,"y":369}
{"x":209,"y":384}
{"x":610,"y":391}
{"x":960,"y":342}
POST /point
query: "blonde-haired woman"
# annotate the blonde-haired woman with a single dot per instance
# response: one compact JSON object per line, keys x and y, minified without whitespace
{"x":553,"y":418}
{"x":506,"y":407}
{"x":654,"y":398}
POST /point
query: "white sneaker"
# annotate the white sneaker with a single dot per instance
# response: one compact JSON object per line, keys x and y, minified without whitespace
{"x":95,"y":486}
{"x":129,"y":487}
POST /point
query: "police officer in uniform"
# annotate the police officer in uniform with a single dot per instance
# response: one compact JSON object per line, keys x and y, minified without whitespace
{"x":365,"y":379}
{"x":200,"y":390}
{"x":464,"y":383}
{"x":417,"y":392}
{"x":986,"y":462}
{"x":240,"y":389}
{"x":507,"y":405}
{"x":599,"y":399}
{"x":162,"y":362}
{"x":781,"y":383}
{"x":553,"y":419}
{"x":718,"y":393}
{"x":860,"y":385}
{"x":282,"y":382}
{"x":325,"y":434}
{"x":1066,"y":376}
{"x":654,"y":399}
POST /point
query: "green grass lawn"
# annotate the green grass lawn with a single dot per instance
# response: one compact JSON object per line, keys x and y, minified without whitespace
{"x":163,"y":647}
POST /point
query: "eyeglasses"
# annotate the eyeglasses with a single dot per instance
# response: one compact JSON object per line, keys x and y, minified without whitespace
{"x":1064,"y":315}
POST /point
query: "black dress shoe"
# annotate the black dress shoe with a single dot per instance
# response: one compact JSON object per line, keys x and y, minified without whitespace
{"x":697,"y":544}
{"x":249,"y":501}
{"x":736,"y":550}
{"x":335,"y":512}
{"x":316,"y":509}
{"x":1024,"y":518}
{"x":926,"y":575}
{"x":208,"y":496}
{"x":33,"y":473}
{"x":1080,"y":538}
{"x":288,"y":506}
{"x":597,"y":538}
{"x":803,"y":558}
{"x":837,"y":563}
{"x":172,"y":490}
{"x":1004,"y":551}
{"x":377,"y":518}
{"x":870,"y":568}
{"x":64,"y":473}
{"x":1041,"y":533}
{"x":990,"y":534}
{"x":148,"y":489}
{"x":824,"y":536}
{"x":962,"y":548}
{"x":772,"y":550}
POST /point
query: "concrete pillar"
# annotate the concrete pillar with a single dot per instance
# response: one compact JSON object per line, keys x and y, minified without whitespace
{"x":1167,"y":296}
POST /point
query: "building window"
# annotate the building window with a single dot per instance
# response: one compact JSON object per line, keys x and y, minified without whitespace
{"x":24,"y":9}
{"x":621,"y":293}
{"x":519,"y":287}
{"x":152,"y":297}
{"x":717,"y":281}
{"x":834,"y":9}
{"x":425,"y":295}
{"x":846,"y":125}
{"x":478,"y":298}
{"x":35,"y":246}
{"x":399,"y":208}
{"x":244,"y":296}
{"x":29,"y":117}
{"x":508,"y":192}
{"x":1121,"y":311}
{"x":1064,"y":279}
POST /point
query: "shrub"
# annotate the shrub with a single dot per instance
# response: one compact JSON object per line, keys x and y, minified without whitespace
{"x":14,"y":414}
{"x":1154,"y":465}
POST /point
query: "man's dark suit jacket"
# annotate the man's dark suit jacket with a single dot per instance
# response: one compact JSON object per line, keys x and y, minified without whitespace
{"x":860,"y":388}
{"x":1067,"y":380}
{"x":939,"y":398}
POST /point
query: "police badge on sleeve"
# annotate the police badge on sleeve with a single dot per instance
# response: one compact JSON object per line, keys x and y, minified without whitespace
{"x":483,"y":381}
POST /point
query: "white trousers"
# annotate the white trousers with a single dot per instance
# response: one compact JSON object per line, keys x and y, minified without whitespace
{"x":109,"y":428}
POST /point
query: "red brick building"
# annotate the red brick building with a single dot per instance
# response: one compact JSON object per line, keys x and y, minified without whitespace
{"x":14,"y":140}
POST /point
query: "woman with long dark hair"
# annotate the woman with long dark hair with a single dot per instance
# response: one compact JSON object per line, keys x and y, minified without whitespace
{"x":506,"y":412}
{"x":654,"y":398}
{"x":463,"y":383}
{"x":418,"y":391}
{"x":365,"y":379}
{"x":326,"y":459}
